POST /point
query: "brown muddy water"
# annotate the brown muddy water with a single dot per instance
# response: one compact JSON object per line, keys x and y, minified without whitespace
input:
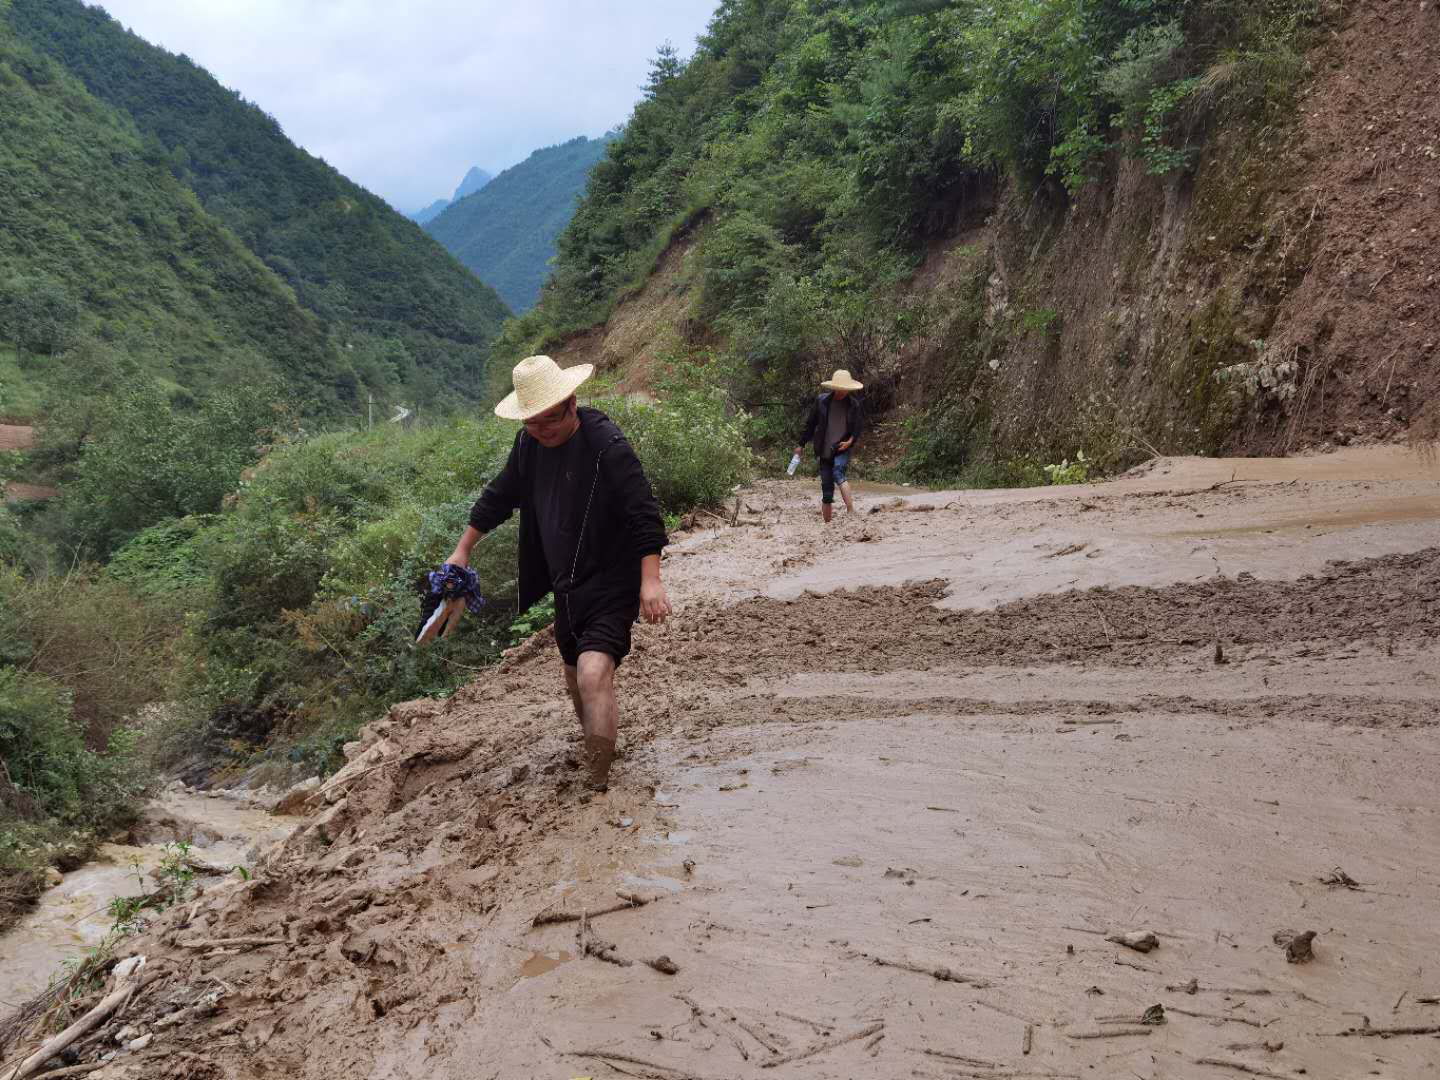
{"x":75,"y":915}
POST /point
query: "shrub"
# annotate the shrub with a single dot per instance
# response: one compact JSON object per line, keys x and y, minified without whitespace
{"x":42,"y":746}
{"x":694,"y":451}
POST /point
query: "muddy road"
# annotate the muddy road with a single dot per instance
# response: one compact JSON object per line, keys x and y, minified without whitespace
{"x":889,"y":787}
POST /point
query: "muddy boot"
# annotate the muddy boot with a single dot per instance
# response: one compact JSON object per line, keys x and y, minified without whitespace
{"x":599,"y":753}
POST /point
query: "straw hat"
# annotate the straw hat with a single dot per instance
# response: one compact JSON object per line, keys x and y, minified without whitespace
{"x":841,"y":380}
{"x":539,"y":384}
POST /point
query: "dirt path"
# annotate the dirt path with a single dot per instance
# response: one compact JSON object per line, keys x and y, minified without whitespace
{"x":16,"y":437}
{"x":905,"y":739}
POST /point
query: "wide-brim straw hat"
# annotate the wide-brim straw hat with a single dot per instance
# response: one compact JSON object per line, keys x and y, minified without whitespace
{"x":841,"y":380}
{"x":539,"y":384}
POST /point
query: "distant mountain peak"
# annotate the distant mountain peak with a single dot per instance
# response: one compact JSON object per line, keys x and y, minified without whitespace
{"x":474,"y":180}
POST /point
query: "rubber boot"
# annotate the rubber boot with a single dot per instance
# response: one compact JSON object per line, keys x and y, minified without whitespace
{"x":599,"y":753}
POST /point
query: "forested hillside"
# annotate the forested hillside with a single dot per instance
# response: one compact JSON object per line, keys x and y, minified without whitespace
{"x":405,"y":311}
{"x":505,"y":232}
{"x":103,"y":248}
{"x":1036,"y":227}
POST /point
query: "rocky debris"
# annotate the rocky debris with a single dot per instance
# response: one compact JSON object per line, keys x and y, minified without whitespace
{"x":294,"y":800}
{"x":1299,"y":947}
{"x":1139,"y":940}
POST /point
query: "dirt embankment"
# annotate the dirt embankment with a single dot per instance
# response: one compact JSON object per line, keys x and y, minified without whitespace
{"x":18,"y":437}
{"x":882,"y":837}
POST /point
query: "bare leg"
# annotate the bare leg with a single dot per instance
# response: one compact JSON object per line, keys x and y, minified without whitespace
{"x":595,"y":679}
{"x":825,"y":510}
{"x":595,"y":683}
{"x":572,"y":683}
{"x":845,"y":494}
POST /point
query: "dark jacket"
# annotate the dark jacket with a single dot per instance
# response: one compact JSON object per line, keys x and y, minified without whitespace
{"x":819,"y":423}
{"x":623,"y":524}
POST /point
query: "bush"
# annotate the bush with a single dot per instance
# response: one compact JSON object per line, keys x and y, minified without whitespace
{"x":694,"y":451}
{"x":42,"y":746}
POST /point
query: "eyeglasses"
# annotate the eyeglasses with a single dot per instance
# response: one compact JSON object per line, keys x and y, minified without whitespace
{"x":549,"y":416}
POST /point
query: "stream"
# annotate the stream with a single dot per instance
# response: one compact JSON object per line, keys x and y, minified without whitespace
{"x":74,"y":915}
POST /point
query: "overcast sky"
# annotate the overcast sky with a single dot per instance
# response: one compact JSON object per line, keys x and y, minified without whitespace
{"x":403,"y":96}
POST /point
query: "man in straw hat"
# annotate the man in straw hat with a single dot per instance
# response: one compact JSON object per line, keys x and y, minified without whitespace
{"x":834,"y":423}
{"x":590,"y":531}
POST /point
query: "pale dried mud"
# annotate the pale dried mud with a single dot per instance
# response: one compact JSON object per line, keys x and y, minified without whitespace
{"x":843,"y":771}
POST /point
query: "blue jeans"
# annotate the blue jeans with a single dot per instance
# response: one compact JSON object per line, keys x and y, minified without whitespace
{"x":832,"y":473}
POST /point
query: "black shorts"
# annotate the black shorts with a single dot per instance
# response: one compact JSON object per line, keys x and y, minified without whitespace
{"x":598,"y":626}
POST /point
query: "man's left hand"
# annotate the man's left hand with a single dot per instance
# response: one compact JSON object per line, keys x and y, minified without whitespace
{"x":654,"y":603}
{"x":842,"y":447}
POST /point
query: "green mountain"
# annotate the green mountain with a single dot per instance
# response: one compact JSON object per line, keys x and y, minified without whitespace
{"x":474,"y":180}
{"x":405,"y":311}
{"x":505,"y":232}
{"x":101,"y":243}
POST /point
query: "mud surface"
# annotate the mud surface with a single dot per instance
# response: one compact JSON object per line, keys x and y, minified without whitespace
{"x":832,"y":796}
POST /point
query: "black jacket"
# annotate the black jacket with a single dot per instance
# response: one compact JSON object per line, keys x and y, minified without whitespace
{"x":623,"y":524}
{"x":819,"y":423}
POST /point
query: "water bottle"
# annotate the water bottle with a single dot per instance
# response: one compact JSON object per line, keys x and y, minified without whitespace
{"x":794,"y":464}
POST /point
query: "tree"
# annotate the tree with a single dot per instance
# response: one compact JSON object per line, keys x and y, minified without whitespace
{"x":666,"y":67}
{"x":38,"y":315}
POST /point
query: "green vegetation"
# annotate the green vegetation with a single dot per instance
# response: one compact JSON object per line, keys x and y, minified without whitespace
{"x":157,"y":208}
{"x":505,"y":232}
{"x":817,"y":147}
{"x":100,"y":244}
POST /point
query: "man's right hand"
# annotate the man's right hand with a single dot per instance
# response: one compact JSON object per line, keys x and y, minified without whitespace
{"x":799,"y":451}
{"x":468,"y":539}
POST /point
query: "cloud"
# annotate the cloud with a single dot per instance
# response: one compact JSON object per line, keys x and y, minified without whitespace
{"x":403,"y":97}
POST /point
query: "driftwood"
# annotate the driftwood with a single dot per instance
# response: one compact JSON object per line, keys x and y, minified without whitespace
{"x":1384,"y":1033}
{"x":978,"y":1063}
{"x":824,"y":1045}
{"x":627,"y":901}
{"x":1217,"y":1016}
{"x":820,"y":1029}
{"x":698,"y":1015}
{"x":942,"y":974}
{"x":1221,"y":1063}
{"x":607,"y":1055}
{"x":1193,"y":987}
{"x":32,"y":1065}
{"x":1113,"y":1033}
{"x":71,"y":1070}
{"x":232,"y":943}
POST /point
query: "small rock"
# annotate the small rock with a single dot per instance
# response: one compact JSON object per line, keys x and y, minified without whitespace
{"x":1299,"y":948}
{"x":664,"y":965}
{"x":1139,"y":940}
{"x":53,"y":877}
{"x":293,"y":801}
{"x":141,"y":1043}
{"x":127,"y":967}
{"x":517,"y":774}
{"x":126,"y":1034}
